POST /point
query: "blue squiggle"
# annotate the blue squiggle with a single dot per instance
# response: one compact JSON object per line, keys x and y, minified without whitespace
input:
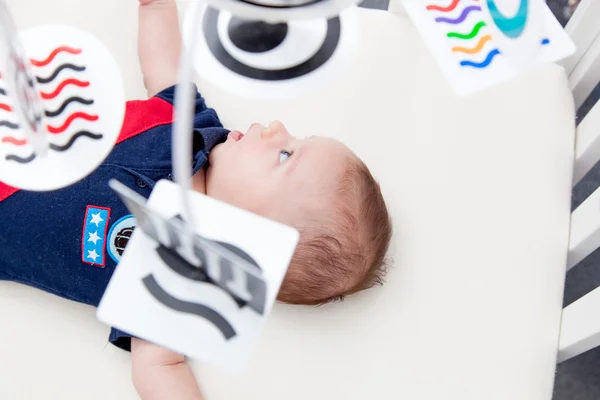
{"x":461,"y":17}
{"x":484,"y":63}
{"x":545,"y":41}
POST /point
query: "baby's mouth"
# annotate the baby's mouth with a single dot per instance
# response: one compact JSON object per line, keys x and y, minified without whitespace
{"x":236,"y":135}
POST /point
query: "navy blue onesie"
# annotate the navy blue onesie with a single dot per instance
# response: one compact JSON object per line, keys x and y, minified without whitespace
{"x":68,"y":242}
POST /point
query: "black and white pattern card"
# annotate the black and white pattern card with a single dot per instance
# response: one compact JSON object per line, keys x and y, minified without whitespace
{"x":263,"y":60}
{"x":208,"y":295}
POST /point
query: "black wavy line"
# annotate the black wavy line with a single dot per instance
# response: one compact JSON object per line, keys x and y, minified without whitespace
{"x":58,"y":71}
{"x":64,"y":105}
{"x":21,"y":160}
{"x":2,"y":92}
{"x":55,"y":147}
{"x":187,"y":307}
{"x":9,"y":125}
{"x":76,"y":136}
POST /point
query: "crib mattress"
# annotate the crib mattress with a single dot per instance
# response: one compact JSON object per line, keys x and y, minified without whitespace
{"x":479,"y":191}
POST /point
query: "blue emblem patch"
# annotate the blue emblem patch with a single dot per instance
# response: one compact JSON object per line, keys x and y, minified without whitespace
{"x":119,"y":236}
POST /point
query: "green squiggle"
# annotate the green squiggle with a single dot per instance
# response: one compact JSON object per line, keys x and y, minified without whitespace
{"x":470,"y":35}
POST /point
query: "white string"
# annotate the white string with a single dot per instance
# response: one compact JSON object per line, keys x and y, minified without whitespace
{"x":182,"y":143}
{"x":28,"y":105}
{"x":183,"y":125}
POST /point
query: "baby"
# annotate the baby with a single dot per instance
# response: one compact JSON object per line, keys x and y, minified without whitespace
{"x":316,"y":185}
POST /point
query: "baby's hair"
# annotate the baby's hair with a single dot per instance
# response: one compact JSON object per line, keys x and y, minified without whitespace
{"x":345,"y":253}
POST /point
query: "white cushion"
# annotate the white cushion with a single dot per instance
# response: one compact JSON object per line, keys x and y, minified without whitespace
{"x":479,"y":190}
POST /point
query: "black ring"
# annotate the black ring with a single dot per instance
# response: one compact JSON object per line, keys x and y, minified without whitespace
{"x":322,"y":55}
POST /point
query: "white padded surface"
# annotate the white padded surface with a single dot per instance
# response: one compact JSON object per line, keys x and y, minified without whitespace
{"x":479,"y":189}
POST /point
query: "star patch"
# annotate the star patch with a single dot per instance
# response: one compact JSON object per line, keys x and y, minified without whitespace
{"x":93,"y":236}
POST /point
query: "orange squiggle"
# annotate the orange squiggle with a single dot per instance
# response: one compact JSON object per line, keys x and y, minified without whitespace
{"x":475,"y":49}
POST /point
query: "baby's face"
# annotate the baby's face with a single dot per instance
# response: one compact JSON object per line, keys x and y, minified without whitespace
{"x":270,"y":172}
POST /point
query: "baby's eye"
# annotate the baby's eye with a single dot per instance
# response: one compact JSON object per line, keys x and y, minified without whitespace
{"x":284,"y":155}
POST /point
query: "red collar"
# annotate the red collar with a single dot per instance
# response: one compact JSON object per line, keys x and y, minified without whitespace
{"x":140,"y":116}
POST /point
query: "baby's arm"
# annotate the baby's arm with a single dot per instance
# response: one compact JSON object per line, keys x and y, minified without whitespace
{"x":159,"y":44}
{"x":160,"y":374}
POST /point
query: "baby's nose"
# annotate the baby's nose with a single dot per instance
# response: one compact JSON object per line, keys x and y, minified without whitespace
{"x":273,"y":129}
{"x":255,"y":129}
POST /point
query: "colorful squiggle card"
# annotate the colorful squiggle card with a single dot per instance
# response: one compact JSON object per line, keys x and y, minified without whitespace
{"x":480,"y":43}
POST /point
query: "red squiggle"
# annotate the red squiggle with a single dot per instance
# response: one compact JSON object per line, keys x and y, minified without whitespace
{"x":15,"y":141}
{"x":5,"y":107}
{"x":448,"y":8}
{"x":70,"y":120}
{"x":48,"y":96}
{"x":54,"y":54}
